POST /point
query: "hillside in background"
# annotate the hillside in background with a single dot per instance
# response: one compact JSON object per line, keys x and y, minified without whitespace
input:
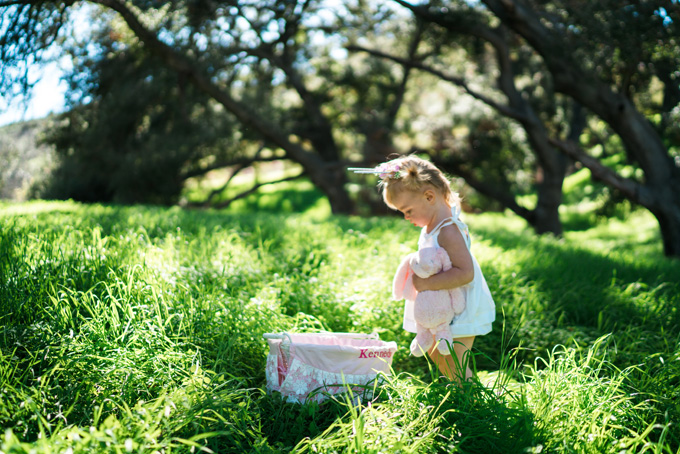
{"x":25,"y":160}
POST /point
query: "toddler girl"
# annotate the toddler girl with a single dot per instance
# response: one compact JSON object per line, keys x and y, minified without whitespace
{"x":420,"y":191}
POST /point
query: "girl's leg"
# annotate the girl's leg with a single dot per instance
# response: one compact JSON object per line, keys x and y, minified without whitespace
{"x":450,"y":366}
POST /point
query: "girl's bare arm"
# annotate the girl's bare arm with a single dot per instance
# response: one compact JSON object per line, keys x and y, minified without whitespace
{"x":462,"y":270}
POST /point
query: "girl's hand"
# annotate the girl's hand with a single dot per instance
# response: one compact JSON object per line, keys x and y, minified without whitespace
{"x":419,"y":283}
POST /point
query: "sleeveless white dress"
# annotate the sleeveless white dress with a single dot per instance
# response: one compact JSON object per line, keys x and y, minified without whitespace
{"x":480,"y":310}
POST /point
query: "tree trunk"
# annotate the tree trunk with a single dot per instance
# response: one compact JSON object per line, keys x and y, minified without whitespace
{"x":331,"y":182}
{"x":669,"y":222}
{"x":553,"y":165}
{"x":662,"y":199}
{"x":326,"y":175}
{"x":662,"y":176}
{"x":546,"y":213}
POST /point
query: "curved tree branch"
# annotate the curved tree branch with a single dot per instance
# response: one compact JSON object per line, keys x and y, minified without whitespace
{"x":237,"y":170}
{"x":545,"y":217}
{"x":243,"y":162}
{"x":631,"y":189}
{"x":399,"y":97}
{"x":570,"y":78}
{"x":332,"y":184}
{"x":458,"y":81}
{"x":502,"y":195}
{"x":181,"y":64}
{"x":255,"y":187}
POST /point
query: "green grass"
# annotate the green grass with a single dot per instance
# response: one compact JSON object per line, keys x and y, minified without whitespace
{"x":139,"y":329}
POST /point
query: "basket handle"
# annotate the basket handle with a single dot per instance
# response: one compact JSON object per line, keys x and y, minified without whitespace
{"x":277,"y":336}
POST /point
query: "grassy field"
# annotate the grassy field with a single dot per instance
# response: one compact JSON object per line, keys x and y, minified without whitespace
{"x":139,"y":329}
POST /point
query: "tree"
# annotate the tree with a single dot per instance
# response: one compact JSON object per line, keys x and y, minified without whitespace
{"x":139,"y":132}
{"x":608,"y":95}
{"x":587,"y":52}
{"x":268,"y":64}
{"x":492,"y":50}
{"x":211,"y":46}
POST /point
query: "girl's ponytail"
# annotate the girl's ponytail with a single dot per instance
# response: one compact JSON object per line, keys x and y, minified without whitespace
{"x":411,"y":178}
{"x":411,"y":173}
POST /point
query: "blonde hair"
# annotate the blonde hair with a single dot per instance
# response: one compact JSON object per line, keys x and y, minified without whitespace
{"x":412,"y":173}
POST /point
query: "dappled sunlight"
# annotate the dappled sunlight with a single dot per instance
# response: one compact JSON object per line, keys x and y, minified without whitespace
{"x":36,"y":207}
{"x":144,"y":315}
{"x":641,"y":229}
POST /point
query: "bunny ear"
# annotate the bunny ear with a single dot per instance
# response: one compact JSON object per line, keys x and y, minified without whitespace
{"x":410,"y":291}
{"x":401,"y":278}
{"x":399,"y":281}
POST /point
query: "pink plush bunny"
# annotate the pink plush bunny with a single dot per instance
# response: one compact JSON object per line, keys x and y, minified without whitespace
{"x":433,"y":309}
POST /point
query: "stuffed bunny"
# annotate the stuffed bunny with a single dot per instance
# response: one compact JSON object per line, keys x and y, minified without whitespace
{"x":433,"y":309}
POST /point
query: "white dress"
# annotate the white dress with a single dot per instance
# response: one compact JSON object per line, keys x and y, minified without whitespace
{"x":480,"y":310}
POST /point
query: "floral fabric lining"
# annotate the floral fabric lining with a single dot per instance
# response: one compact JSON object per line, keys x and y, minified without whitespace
{"x":297,"y":382}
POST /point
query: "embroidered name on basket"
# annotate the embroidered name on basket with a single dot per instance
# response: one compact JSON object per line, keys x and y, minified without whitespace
{"x":366,"y":353}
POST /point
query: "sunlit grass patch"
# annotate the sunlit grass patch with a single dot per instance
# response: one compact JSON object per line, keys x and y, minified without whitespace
{"x":139,"y":329}
{"x":582,"y":403}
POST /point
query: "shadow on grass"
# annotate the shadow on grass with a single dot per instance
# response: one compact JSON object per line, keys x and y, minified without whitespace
{"x":477,"y":419}
{"x":285,"y":424}
{"x":439,"y":415}
{"x":560,"y":293}
{"x":583,"y":282}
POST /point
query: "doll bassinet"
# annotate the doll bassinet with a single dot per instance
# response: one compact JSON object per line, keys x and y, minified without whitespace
{"x":299,"y":363}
